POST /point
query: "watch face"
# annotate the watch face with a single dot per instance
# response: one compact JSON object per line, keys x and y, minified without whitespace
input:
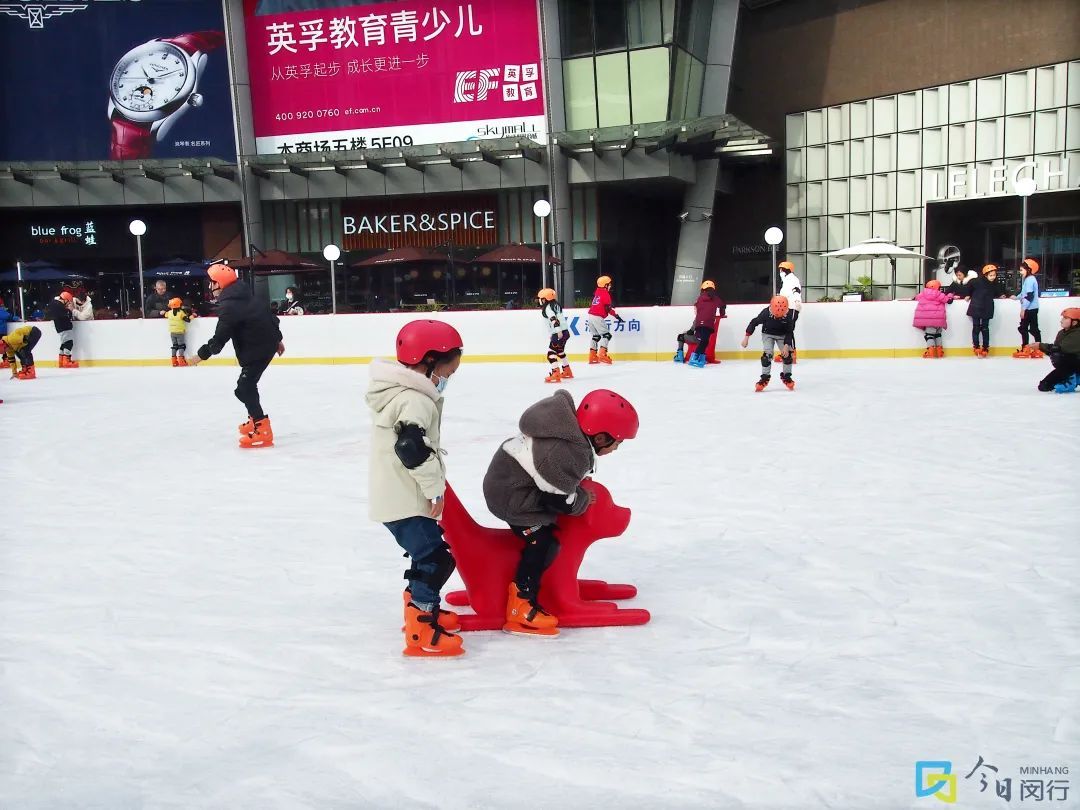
{"x":151,"y":77}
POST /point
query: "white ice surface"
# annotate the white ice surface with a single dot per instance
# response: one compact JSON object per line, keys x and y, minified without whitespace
{"x":877,"y":568}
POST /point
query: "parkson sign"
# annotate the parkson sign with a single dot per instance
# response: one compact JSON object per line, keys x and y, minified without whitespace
{"x":965,"y":183}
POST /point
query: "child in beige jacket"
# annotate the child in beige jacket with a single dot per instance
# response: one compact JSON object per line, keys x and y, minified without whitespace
{"x":407,"y":478}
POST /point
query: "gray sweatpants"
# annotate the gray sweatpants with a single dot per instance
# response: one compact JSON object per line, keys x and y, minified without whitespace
{"x":932,"y":335}
{"x":66,"y":341}
{"x":771,"y":345}
{"x":600,"y":334}
{"x":179,"y":344}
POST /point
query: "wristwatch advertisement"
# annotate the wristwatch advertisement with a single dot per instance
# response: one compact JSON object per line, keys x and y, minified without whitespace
{"x":151,"y":88}
{"x":115,"y":80}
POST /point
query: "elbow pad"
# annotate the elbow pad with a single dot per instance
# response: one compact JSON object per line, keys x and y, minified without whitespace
{"x":410,"y":446}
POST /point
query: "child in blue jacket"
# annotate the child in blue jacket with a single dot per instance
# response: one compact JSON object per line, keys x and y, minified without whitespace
{"x":1029,"y":310}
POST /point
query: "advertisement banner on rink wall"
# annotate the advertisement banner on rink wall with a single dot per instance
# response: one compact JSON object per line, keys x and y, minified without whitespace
{"x":114,"y":80}
{"x":327,"y":76}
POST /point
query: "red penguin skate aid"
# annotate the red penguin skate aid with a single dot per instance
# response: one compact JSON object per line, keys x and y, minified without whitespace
{"x":487,"y":558}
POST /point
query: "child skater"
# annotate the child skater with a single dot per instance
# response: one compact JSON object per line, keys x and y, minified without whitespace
{"x":19,"y":345}
{"x":706,"y":307}
{"x":931,"y":317}
{"x":1064,"y":351}
{"x":178,"y":317}
{"x":407,"y":478}
{"x":776,"y":323}
{"x":982,"y":289}
{"x":536,"y":476}
{"x":1029,"y":310}
{"x":556,"y":354}
{"x":601,"y":308}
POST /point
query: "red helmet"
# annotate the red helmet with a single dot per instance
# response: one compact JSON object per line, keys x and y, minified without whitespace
{"x":778,"y":306}
{"x":604,"y":411}
{"x":65,"y":296}
{"x":221,"y":274}
{"x":933,"y":284}
{"x":418,"y":338}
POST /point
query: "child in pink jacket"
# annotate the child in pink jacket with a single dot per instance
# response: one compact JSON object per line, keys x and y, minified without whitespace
{"x":930,"y":316}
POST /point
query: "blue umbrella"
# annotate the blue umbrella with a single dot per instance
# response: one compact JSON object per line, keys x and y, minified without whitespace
{"x":178,"y":268}
{"x":42,"y":271}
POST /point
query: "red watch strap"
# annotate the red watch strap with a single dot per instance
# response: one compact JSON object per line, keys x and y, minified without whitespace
{"x":130,"y":141}
{"x":204,"y":41}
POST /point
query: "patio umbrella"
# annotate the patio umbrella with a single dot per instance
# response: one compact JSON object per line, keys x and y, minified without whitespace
{"x":276,"y":261}
{"x":875,"y":248}
{"x":177,"y":268}
{"x":514,"y":254}
{"x":42,"y":271}
{"x":403,"y":255}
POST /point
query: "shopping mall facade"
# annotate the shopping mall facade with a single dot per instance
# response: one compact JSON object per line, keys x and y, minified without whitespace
{"x":666,"y":134}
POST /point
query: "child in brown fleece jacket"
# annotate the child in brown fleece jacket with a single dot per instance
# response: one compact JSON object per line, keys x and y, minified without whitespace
{"x":536,"y":476}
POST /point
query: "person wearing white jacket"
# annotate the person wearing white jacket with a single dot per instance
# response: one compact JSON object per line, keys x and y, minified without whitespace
{"x":407,"y":479}
{"x":791,"y":289}
{"x":82,"y":309}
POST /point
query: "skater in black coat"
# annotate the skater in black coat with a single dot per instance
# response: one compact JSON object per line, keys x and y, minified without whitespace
{"x":983,"y":290}
{"x":256,"y":338}
{"x":59,"y":312}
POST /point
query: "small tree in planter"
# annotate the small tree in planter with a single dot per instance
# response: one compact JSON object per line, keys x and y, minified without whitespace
{"x":863,"y":286}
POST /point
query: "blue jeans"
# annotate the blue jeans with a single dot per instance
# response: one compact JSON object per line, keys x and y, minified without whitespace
{"x":421,"y":537}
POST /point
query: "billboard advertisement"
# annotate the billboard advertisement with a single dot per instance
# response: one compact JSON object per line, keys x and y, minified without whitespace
{"x":341,"y":77}
{"x":114,"y":80}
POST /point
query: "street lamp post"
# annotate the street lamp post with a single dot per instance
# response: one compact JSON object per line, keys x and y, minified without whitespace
{"x":332,"y":253}
{"x":138,"y":228}
{"x":774,"y":236}
{"x":542,"y":208}
{"x":1025,"y":187}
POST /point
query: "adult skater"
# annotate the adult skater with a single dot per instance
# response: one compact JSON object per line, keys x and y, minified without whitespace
{"x":791,"y":289}
{"x":256,"y":338}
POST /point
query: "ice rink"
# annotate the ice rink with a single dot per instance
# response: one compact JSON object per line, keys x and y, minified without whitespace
{"x":877,"y":568}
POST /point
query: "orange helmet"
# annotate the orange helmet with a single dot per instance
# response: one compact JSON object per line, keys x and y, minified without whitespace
{"x":65,"y":296}
{"x":789,"y":266}
{"x":603,"y":281}
{"x":546,"y":294}
{"x":989,"y":268}
{"x":1071,"y":312}
{"x":708,"y":285}
{"x":175,"y":303}
{"x":934,"y":284}
{"x":1030,"y":265}
{"x":221,"y":274}
{"x":778,"y":306}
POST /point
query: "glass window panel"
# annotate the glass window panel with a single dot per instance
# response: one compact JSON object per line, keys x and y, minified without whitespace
{"x":935,"y":106}
{"x":860,"y":119}
{"x":838,"y":160}
{"x":884,"y":193}
{"x":1072,"y":127}
{"x":860,"y":228}
{"x":795,"y":234}
{"x":796,"y":169}
{"x":837,"y":233}
{"x":695,"y":88}
{"x":1049,"y":131}
{"x":990,"y":139}
{"x":860,"y":194}
{"x":1050,"y":86}
{"x":796,"y":130}
{"x":1019,"y":92}
{"x":908,"y":230}
{"x":1074,"y":169}
{"x":961,"y":102}
{"x":837,"y":122}
{"x":860,"y":156}
{"x":612,"y":89}
{"x":990,"y":97}
{"x":649,"y":84}
{"x":683,"y":24}
{"x":907,"y":150}
{"x":838,"y":196}
{"x":679,"y":85}
{"x":576,"y":17}
{"x":813,"y":234}
{"x":609,"y":21}
{"x":815,"y":271}
{"x":961,"y":143}
{"x":794,"y":199}
{"x":579,"y":88}
{"x":885,"y":153}
{"x":815,"y":199}
{"x":907,"y":189}
{"x":668,"y":7}
{"x":1018,"y":135}
{"x":815,"y":127}
{"x":909,"y":110}
{"x":702,"y":26}
{"x":644,"y":21}
{"x":884,"y":115}
{"x":933,"y":184}
{"x":815,"y":163}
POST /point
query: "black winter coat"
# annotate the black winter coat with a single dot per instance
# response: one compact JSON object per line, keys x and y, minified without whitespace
{"x":983,"y":291}
{"x":59,"y":314}
{"x":957,"y":288}
{"x":155,"y":304}
{"x":248,"y":323}
{"x":770,"y":325}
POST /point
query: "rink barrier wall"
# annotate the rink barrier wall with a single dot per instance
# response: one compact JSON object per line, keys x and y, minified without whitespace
{"x":832,"y":330}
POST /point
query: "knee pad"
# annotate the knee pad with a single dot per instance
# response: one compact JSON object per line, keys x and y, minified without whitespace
{"x":181,"y":347}
{"x":766,"y":359}
{"x":552,"y":356}
{"x":596,"y":340}
{"x":442,"y":565}
{"x":67,"y":345}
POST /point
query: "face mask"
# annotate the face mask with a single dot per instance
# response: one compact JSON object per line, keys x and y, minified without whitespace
{"x":440,"y":386}
{"x":288,"y":296}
